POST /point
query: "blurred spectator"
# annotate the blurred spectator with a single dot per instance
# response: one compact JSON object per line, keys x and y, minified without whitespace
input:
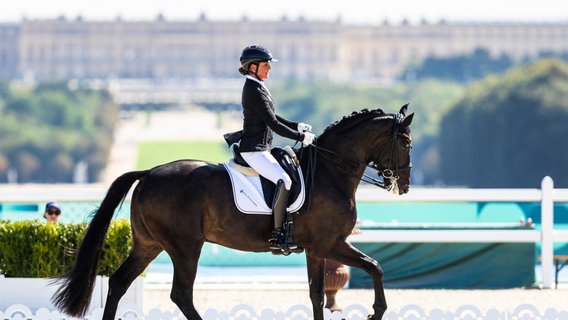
{"x":52,"y":212}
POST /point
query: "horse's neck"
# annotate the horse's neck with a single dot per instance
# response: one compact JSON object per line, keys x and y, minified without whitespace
{"x":351,"y":147}
{"x":344,"y":163}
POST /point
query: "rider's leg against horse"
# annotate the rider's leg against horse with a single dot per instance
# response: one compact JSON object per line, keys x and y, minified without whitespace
{"x":279,"y":203}
{"x":267,"y":166}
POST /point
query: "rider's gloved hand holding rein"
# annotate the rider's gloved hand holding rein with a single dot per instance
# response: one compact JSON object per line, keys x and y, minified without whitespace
{"x":304,"y":127}
{"x":308,"y":138}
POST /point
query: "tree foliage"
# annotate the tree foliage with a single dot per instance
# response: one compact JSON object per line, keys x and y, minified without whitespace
{"x":509,"y":131}
{"x":46,"y":130}
{"x":463,"y":68}
{"x":506,"y":131}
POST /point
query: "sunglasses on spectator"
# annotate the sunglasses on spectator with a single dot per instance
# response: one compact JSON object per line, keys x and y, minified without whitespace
{"x":53,"y":212}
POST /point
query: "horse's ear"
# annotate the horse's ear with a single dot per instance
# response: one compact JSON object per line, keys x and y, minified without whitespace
{"x":407,"y":121}
{"x":404,"y":109}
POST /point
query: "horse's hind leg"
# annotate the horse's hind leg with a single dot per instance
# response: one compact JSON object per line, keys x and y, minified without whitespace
{"x":132,"y":267}
{"x":185,"y":270}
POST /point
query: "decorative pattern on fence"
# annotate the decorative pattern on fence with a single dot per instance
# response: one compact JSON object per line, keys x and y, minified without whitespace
{"x":297,"y":312}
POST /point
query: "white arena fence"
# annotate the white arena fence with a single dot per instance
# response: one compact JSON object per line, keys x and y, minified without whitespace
{"x":297,"y":312}
{"x":546,"y":236}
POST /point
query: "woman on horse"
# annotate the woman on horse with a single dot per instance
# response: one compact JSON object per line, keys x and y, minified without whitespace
{"x":259,"y":123}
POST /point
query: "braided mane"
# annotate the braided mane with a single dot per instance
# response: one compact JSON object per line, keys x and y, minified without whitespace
{"x":353,"y":119}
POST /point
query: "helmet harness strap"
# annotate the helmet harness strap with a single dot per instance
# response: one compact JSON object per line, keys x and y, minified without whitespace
{"x":254,"y":73}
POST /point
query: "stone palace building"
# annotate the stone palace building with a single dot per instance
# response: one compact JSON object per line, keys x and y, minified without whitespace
{"x":164,"y":49}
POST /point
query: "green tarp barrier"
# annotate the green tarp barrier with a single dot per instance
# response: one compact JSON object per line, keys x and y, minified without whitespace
{"x":449,"y":265}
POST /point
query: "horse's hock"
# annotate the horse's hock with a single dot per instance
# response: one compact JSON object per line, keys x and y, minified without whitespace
{"x":335,"y":277}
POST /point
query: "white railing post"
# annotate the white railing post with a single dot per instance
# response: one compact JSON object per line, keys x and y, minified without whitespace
{"x":547,"y":226}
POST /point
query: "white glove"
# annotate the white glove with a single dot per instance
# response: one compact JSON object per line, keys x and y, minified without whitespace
{"x":308,"y":138}
{"x":303,"y":127}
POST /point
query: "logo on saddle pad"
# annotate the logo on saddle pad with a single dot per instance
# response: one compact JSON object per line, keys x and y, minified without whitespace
{"x":253,"y":194}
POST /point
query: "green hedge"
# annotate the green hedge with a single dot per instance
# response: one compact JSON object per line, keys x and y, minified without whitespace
{"x":35,"y":249}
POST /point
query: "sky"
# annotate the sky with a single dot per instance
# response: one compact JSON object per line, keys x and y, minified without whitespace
{"x":350,"y":11}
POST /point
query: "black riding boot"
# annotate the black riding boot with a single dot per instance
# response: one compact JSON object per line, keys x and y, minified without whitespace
{"x":279,"y":240}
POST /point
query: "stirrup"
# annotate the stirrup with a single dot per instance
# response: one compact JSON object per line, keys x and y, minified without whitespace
{"x":279,"y":242}
{"x":286,"y":252}
{"x":288,"y":229}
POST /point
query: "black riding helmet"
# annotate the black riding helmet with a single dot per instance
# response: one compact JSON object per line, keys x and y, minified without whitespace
{"x":254,"y":53}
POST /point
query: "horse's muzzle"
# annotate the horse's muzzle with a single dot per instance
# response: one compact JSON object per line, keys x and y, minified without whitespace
{"x":403,"y":189}
{"x":397,"y":188}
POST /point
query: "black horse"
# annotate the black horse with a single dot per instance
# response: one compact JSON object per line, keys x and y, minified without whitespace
{"x":178,"y":206}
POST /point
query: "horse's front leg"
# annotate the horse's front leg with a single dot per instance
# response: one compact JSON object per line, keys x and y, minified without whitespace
{"x":351,"y":256}
{"x":315,"y":267}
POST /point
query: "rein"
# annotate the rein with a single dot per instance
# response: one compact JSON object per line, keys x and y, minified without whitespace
{"x":386,"y":173}
{"x":389,"y":173}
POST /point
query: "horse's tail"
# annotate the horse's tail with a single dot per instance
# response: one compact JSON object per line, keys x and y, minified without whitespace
{"x":74,"y":295}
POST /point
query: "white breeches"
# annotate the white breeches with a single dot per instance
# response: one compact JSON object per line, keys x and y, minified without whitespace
{"x":267,"y":166}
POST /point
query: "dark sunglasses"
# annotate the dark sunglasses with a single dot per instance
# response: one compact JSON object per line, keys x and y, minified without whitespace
{"x":53,"y":212}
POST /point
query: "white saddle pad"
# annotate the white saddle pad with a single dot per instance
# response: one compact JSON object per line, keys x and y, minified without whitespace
{"x":247,"y":192}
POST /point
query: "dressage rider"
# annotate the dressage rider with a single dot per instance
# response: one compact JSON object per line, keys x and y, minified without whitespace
{"x":259,"y":123}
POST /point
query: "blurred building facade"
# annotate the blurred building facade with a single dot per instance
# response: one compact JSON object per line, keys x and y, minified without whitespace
{"x":163,"y":49}
{"x":9,"y":49}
